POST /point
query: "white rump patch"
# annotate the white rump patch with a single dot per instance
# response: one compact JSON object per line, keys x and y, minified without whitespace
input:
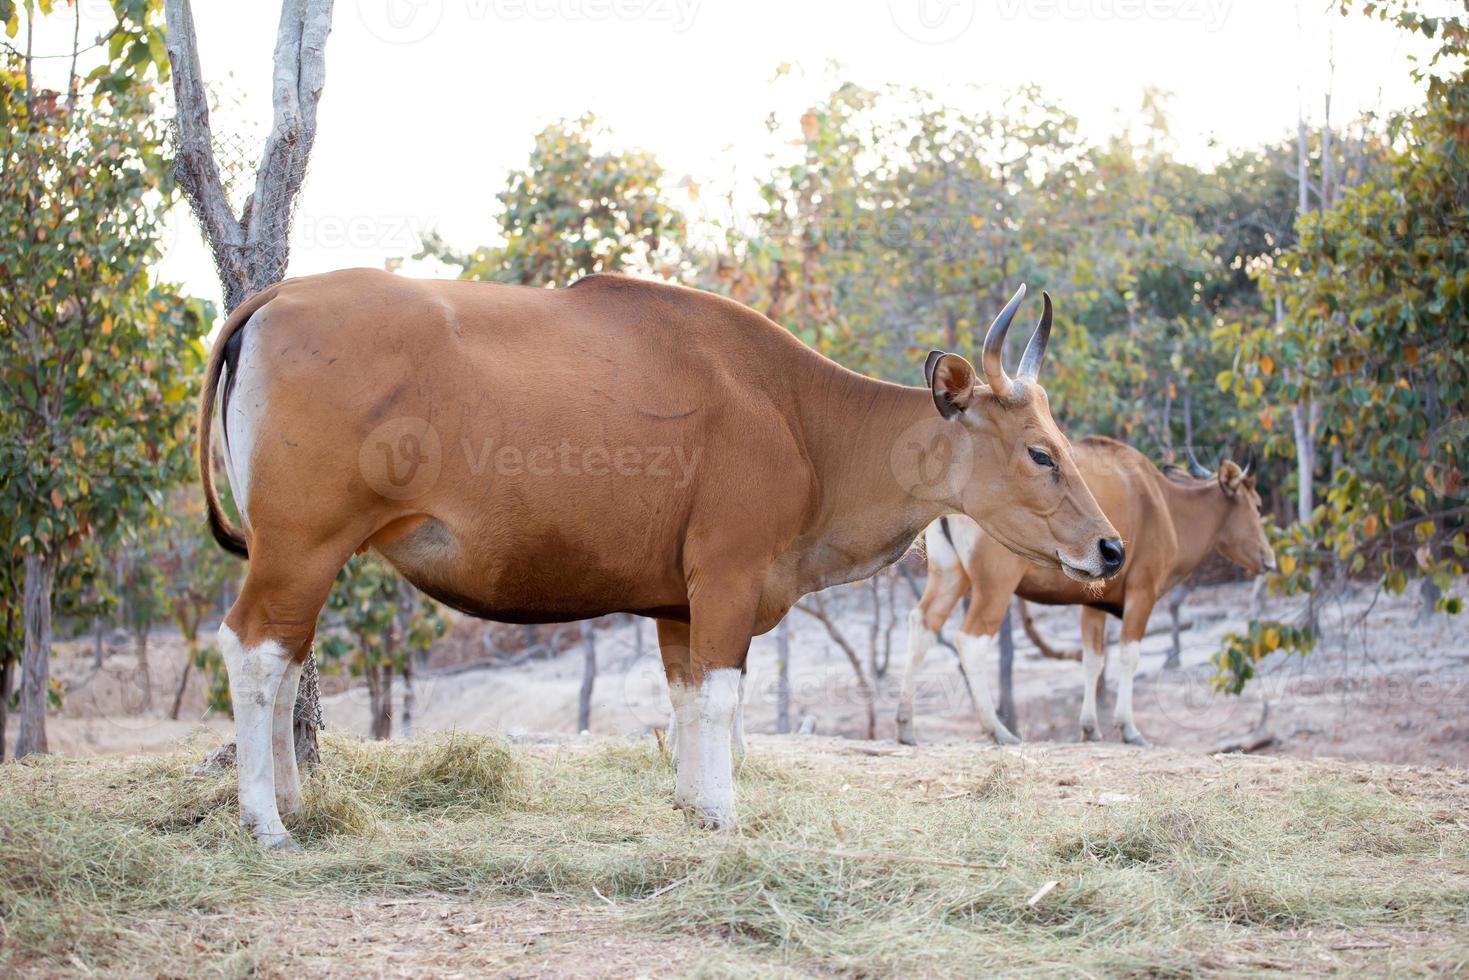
{"x":945,"y":556}
{"x":246,"y":415}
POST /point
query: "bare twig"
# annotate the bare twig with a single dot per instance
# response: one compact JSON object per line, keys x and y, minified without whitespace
{"x":884,"y":856}
{"x":815,"y":607}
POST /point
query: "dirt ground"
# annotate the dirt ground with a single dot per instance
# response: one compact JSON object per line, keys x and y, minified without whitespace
{"x":1381,"y":686}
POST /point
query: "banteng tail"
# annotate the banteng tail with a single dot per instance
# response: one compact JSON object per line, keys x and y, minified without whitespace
{"x":230,"y":538}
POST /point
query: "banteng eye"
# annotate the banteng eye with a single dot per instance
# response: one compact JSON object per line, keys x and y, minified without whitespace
{"x":1042,"y":458}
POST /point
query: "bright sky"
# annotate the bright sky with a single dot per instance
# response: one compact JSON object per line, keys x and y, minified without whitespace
{"x":428,"y":103}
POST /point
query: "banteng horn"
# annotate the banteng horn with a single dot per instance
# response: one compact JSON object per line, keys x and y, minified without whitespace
{"x":1196,"y":468}
{"x":1030,"y":364}
{"x":994,"y":347}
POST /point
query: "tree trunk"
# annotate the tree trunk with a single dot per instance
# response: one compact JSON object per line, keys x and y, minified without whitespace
{"x":783,"y":677}
{"x":1006,"y":708}
{"x":5,"y":663}
{"x":379,"y":677}
{"x":307,"y":717}
{"x":1428,"y":596}
{"x":873,"y":629}
{"x":380,"y":690}
{"x":588,"y":678}
{"x":191,"y":651}
{"x":410,"y":698}
{"x":40,"y":575}
{"x":1303,"y":421}
{"x":251,"y":251}
{"x":144,"y":673}
{"x":1175,"y":598}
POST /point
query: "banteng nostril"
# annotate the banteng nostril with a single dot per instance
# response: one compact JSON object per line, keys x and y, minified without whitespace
{"x":1112,"y":553}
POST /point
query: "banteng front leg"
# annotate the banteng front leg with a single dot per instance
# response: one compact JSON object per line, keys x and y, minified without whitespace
{"x":705,"y":693}
{"x":1129,"y":654}
{"x":978,"y":655}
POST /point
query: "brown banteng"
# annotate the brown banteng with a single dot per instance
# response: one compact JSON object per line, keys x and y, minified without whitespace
{"x":533,"y":455}
{"x":1171,"y":522}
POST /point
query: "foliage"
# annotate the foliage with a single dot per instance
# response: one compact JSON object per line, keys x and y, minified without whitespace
{"x":383,"y":619}
{"x":134,"y":44}
{"x":1376,"y":334}
{"x":385,"y":616}
{"x":573,"y":211}
{"x":96,"y":360}
{"x":904,"y":223}
{"x":96,"y":364}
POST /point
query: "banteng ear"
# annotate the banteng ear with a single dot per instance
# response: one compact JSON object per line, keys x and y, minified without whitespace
{"x":933,"y":358}
{"x":952,"y":383}
{"x":1231,"y":477}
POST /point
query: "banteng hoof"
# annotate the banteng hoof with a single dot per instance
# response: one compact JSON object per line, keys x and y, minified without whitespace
{"x":906,"y":734}
{"x":269,"y":832}
{"x":282,"y":842}
{"x":1003,"y":736}
{"x":1089,"y":733}
{"x":712,"y":819}
{"x":1132,"y":736}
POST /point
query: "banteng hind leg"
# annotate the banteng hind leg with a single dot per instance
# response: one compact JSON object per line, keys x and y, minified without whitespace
{"x":1093,"y":661}
{"x":1134,"y":623}
{"x":673,"y":644}
{"x":264,"y":641}
{"x":945,"y":587}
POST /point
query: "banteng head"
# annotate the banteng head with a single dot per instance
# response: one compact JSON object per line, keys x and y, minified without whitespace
{"x":1025,"y":489}
{"x":1242,"y":536}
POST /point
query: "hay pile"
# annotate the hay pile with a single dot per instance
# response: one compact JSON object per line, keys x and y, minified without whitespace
{"x":935,"y":861}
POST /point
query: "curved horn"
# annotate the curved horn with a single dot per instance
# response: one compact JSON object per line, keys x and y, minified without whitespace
{"x":1030,"y":364}
{"x":994,"y":347}
{"x":1196,"y":468}
{"x":1250,"y":462}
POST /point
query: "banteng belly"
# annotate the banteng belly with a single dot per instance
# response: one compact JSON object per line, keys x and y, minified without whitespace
{"x":530,"y":575}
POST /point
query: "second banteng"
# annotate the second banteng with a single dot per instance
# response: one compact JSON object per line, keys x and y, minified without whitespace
{"x":1172,"y":521}
{"x":532,"y":455}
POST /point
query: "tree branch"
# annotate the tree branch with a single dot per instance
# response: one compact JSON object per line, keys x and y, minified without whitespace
{"x":300,"y":73}
{"x":195,"y":167}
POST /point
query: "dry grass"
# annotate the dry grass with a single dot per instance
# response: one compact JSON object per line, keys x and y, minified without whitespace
{"x":1166,"y":863}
